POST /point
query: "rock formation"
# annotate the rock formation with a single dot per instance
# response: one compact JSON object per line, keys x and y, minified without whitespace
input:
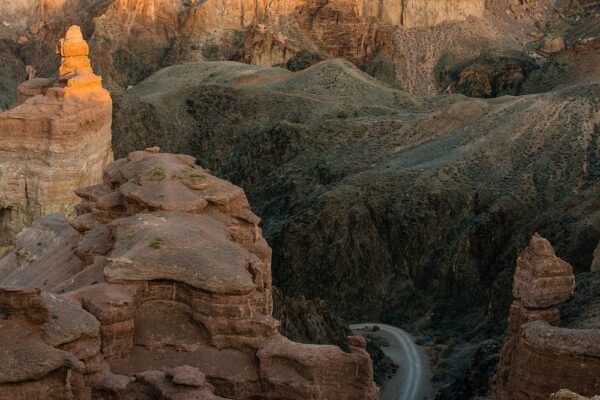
{"x":538,"y":357}
{"x":441,"y":193}
{"x":168,"y":268}
{"x":57,"y":139}
{"x":404,"y":42}
{"x":568,"y":395}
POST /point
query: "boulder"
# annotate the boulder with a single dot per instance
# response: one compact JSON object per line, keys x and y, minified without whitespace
{"x":542,"y":279}
{"x":553,"y":44}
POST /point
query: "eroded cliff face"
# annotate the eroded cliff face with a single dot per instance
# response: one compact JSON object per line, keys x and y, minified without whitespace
{"x":538,"y":357}
{"x":137,"y":36}
{"x":56,"y":139}
{"x":171,"y":270}
{"x":403,"y":42}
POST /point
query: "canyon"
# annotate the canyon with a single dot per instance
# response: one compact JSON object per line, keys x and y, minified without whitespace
{"x":401,"y":155}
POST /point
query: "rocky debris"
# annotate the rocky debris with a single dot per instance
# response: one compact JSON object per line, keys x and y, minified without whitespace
{"x":181,"y":306}
{"x":384,"y":367}
{"x":553,"y":45}
{"x":164,"y":386}
{"x":186,"y":375}
{"x":488,"y":76}
{"x":535,"y":348}
{"x":56,"y":139}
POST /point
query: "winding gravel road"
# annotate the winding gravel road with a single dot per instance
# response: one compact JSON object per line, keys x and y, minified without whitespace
{"x":412,"y":381}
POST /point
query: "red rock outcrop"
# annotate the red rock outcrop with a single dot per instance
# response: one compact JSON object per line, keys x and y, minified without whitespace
{"x":56,"y":140}
{"x":172,"y":265}
{"x":538,"y":357}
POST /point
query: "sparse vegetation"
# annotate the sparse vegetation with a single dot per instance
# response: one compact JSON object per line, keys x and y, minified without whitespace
{"x":129,"y":240}
{"x":156,"y":172}
{"x":197,"y":174}
{"x":156,"y":243}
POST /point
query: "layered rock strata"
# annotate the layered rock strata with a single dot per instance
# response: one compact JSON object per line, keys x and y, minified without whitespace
{"x":57,"y":139}
{"x":538,"y":357}
{"x":172,"y":265}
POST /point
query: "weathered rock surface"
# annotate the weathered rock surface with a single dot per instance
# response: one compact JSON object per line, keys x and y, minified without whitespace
{"x":568,"y":395}
{"x":542,"y":279}
{"x":538,"y":357}
{"x":175,"y":280}
{"x":57,"y":139}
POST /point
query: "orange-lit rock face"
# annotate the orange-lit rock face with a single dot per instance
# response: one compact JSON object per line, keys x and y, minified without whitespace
{"x":57,"y":139}
{"x":74,"y":52}
{"x":270,"y":33}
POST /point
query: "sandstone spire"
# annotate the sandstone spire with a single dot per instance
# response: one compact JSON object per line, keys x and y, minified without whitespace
{"x":74,"y":51}
{"x":49,"y":146}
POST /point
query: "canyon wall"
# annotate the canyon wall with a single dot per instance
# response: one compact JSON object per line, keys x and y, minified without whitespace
{"x":538,"y":357}
{"x":57,"y":139}
{"x":403,"y":42}
{"x":167,"y":288}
